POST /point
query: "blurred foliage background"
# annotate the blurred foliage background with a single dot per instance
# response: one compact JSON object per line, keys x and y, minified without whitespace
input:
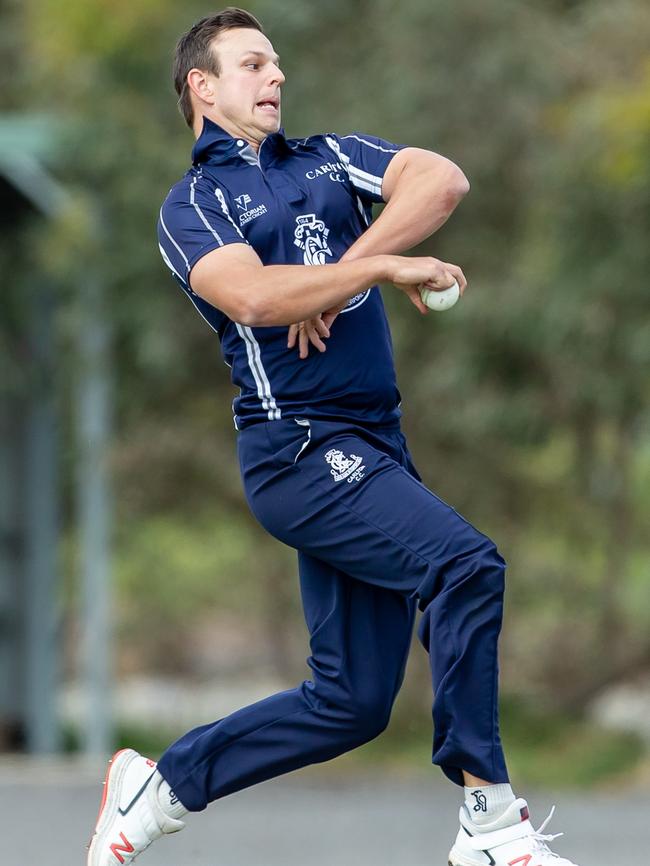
{"x":527,"y":407}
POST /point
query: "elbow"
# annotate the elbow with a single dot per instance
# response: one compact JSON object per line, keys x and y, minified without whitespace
{"x":458,"y":186}
{"x":462,"y":186}
{"x":253,"y":311}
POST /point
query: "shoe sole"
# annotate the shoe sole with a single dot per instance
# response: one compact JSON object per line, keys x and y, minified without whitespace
{"x":114,"y":773}
{"x":456,"y":859}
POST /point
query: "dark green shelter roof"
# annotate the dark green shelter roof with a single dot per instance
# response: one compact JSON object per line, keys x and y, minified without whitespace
{"x":29,"y":143}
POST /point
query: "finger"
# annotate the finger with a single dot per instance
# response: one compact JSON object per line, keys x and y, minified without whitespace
{"x":293,"y":333}
{"x":459,"y":276}
{"x":320,"y":327}
{"x":440,"y":281}
{"x":314,"y":337}
{"x":413,"y":294}
{"x":303,"y":343}
{"x":329,"y":318}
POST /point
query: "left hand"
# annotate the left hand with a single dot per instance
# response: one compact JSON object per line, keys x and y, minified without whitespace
{"x":310,"y":331}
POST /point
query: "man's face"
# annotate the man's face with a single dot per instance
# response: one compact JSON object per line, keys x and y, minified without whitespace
{"x":247,"y":91}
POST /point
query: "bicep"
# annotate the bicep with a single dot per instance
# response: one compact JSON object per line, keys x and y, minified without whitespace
{"x":416,"y":160}
{"x":221,"y":276}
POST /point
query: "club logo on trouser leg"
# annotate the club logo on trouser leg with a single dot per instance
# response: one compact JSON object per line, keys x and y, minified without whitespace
{"x":345,"y":467}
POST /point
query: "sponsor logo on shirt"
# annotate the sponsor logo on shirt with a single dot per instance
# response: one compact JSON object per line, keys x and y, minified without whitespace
{"x":345,"y":467}
{"x":242,"y":202}
{"x":334,"y":170}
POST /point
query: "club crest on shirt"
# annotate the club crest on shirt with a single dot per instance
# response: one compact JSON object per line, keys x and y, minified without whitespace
{"x":311,"y":236}
{"x":345,"y":467}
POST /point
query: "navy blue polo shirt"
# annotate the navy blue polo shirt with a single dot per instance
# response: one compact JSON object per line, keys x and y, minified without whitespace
{"x":296,"y":201}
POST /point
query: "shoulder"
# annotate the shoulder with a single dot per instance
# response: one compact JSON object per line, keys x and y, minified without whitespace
{"x":195,"y":185}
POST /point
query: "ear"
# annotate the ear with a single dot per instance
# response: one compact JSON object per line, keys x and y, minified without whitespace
{"x":199,"y":84}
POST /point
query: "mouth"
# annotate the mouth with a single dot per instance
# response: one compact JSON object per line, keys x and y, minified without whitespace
{"x":269,"y":106}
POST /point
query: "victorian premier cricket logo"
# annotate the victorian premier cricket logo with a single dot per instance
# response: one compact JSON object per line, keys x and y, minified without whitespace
{"x":311,"y":236}
{"x":345,"y":467}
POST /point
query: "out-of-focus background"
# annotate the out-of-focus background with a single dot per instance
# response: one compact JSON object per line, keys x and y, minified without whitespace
{"x":137,"y":595}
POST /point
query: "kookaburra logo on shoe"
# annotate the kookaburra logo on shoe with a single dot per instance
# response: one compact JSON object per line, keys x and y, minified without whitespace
{"x":345,"y":467}
{"x":481,"y":801}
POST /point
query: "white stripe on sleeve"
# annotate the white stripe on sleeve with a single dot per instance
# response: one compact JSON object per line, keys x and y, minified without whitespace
{"x":360,"y":179}
{"x":167,"y":232}
{"x":371,"y":144}
{"x":224,"y":207}
{"x":201,"y":214}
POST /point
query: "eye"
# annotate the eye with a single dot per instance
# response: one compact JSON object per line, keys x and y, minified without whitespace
{"x":252,"y":66}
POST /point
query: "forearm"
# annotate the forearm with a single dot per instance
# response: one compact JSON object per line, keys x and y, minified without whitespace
{"x":282,"y":294}
{"x":420,"y":204}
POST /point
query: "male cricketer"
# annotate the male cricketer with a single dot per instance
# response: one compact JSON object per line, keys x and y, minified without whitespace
{"x":272,"y":241}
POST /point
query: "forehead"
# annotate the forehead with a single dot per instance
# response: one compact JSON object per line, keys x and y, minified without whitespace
{"x":233,"y":44}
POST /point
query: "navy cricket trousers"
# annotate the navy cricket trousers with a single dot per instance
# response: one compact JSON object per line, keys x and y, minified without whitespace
{"x":373,"y":543}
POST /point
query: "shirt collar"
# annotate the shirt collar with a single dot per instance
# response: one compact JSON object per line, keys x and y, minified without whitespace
{"x":216,"y":146}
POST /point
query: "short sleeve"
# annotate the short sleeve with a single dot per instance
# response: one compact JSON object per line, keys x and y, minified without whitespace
{"x":366,"y":159}
{"x":194,"y":220}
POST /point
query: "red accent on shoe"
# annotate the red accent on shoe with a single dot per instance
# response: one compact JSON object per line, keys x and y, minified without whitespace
{"x":150,"y":763}
{"x":525,"y":814}
{"x":127,"y":847}
{"x":108,"y":772}
{"x":525,"y":860}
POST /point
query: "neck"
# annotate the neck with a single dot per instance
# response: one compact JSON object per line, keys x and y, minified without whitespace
{"x":197,"y":128}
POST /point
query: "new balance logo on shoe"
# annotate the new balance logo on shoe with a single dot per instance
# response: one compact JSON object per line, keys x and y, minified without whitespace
{"x":173,"y":799}
{"x":126,"y":848}
{"x":126,"y":811}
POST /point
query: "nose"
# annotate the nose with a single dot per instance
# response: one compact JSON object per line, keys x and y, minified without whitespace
{"x":277,"y":75}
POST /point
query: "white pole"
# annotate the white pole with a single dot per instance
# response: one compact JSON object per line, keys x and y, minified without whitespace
{"x":41,"y":536}
{"x":93,"y":440}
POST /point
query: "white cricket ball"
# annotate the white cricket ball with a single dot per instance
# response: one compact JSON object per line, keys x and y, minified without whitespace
{"x":440,"y":300}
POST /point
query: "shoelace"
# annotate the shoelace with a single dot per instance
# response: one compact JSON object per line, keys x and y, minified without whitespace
{"x":540,"y":838}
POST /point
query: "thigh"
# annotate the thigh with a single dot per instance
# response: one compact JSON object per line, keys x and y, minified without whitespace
{"x":360,"y":634}
{"x":336,"y":496}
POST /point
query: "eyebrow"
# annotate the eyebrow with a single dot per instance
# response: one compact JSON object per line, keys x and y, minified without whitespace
{"x":274,"y":57}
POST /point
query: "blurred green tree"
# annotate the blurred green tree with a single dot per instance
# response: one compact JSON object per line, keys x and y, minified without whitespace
{"x":527,"y":406}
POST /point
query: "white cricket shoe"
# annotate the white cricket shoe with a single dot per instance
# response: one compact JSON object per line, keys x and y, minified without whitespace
{"x":130,"y":817}
{"x":510,"y":840}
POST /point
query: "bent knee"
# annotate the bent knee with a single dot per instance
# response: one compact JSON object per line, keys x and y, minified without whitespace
{"x":362,"y":718}
{"x":476,"y":563}
{"x":368,"y":724}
